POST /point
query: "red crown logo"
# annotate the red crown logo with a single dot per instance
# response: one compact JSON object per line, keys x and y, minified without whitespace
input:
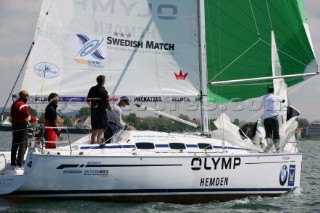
{"x":114,"y":99}
{"x":181,"y":76}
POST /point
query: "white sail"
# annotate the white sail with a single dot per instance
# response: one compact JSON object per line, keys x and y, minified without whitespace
{"x":145,"y":49}
{"x":280,"y":86}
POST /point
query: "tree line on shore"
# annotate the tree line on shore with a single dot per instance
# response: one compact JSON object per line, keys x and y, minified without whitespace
{"x":168,"y":125}
{"x":156,"y":123}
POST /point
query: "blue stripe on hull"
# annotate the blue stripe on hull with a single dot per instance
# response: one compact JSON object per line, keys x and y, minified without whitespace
{"x":181,"y":196}
{"x":152,"y":191}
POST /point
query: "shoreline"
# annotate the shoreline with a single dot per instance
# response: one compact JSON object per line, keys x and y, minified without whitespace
{"x":71,"y":130}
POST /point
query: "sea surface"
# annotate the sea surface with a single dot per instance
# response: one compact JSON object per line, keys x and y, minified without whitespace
{"x":304,"y":199}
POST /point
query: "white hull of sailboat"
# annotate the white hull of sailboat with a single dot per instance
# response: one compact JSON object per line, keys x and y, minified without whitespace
{"x":170,"y":48}
{"x":171,"y":177}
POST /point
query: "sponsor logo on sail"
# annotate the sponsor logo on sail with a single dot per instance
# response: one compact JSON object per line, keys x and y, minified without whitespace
{"x":90,"y":47}
{"x":147,"y":99}
{"x":124,"y":41}
{"x":90,"y":52}
{"x":166,"y":12}
{"x":46,"y":70}
{"x":181,"y":76}
{"x":179,"y":99}
{"x":283,"y":175}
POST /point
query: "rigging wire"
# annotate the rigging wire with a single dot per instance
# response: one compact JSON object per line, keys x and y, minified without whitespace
{"x":220,"y":64}
{"x":293,"y":58}
{"x":260,"y":39}
{"x":271,"y":25}
{"x":258,"y":33}
{"x":256,"y":42}
{"x":49,"y":7}
{"x":16,"y":81}
{"x":254,"y":18}
{"x":43,"y":79}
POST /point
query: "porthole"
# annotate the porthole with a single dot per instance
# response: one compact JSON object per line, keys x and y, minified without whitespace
{"x":204,"y":146}
{"x":144,"y":145}
{"x":177,"y":145}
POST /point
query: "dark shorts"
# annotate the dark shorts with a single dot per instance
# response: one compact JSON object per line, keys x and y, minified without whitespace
{"x":271,"y":126}
{"x":98,"y":121}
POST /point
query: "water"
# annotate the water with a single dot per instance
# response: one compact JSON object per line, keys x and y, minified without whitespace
{"x":304,"y":199}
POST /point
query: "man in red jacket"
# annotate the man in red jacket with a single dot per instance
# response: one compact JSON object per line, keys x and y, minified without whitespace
{"x":20,"y":117}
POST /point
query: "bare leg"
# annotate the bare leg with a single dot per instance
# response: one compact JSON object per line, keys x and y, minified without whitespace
{"x":94,"y":136}
{"x":99,"y":135}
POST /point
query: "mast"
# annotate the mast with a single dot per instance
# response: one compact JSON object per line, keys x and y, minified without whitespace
{"x":203,"y":70}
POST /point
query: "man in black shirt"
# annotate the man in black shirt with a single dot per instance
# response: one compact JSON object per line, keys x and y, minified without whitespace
{"x":51,"y":120}
{"x":98,"y":102}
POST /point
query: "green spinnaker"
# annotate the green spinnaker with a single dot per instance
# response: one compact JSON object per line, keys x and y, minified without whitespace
{"x":238,"y":45}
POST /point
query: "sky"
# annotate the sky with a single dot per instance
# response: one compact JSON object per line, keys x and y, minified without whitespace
{"x":18,"y":19}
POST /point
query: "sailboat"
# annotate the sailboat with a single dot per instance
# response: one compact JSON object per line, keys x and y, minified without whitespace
{"x":192,"y":52}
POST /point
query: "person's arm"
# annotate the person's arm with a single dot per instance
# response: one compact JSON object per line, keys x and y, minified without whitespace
{"x":106,"y":102}
{"x":118,"y":120}
{"x":89,"y":96}
{"x":24,"y":110}
{"x":278,"y":99}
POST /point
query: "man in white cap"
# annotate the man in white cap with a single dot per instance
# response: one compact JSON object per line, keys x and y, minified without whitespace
{"x":115,"y":122}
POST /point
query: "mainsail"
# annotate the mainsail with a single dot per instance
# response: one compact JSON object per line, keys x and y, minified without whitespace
{"x":156,"y":52}
{"x":238,"y":38}
{"x":145,"y":48}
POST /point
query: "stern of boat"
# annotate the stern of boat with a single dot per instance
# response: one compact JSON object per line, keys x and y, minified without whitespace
{"x":11,"y":178}
{"x":4,"y":162}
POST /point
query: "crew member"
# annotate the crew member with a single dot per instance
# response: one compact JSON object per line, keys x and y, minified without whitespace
{"x":115,"y":122}
{"x":51,"y":120}
{"x":271,"y":123}
{"x":20,"y":118}
{"x":98,"y":102}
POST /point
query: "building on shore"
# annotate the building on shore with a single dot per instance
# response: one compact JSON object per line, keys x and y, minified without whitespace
{"x":313,"y":130}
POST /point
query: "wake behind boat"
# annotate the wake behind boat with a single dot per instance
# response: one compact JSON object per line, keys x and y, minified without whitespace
{"x":190,"y":52}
